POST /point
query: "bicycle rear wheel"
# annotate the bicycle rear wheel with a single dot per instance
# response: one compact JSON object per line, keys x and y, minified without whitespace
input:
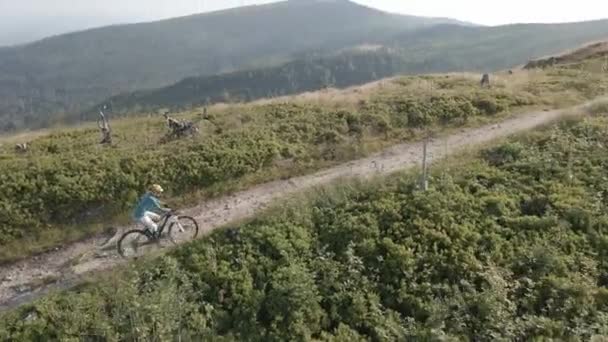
{"x":185,"y":229}
{"x":135,"y":243}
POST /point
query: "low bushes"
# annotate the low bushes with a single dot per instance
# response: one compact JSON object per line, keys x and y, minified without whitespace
{"x":498,"y":249}
{"x":68,"y":179}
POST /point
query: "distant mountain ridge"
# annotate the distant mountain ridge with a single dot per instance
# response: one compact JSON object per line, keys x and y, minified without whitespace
{"x":442,"y":48}
{"x":67,"y":73}
{"x":58,"y":79}
{"x":19,"y":30}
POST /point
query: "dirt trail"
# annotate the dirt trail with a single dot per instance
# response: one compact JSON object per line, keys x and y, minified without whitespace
{"x":62,"y":268}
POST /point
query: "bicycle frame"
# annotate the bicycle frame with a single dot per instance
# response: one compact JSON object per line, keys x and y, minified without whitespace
{"x":167,"y":218}
{"x":166,"y":221}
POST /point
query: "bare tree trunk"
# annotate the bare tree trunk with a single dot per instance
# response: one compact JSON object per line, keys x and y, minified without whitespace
{"x":22,"y":148}
{"x":104,"y":127}
{"x":178,"y":128}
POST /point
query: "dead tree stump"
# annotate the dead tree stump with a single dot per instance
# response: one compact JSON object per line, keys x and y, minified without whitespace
{"x":22,"y":148}
{"x":179,"y":128}
{"x":174,"y":125}
{"x":104,"y":127}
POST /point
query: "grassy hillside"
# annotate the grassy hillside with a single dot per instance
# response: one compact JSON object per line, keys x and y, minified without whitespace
{"x":595,"y":50}
{"x":71,"y":72}
{"x":451,"y":47}
{"x":509,"y":244}
{"x":438,"y":49}
{"x":67,"y":184}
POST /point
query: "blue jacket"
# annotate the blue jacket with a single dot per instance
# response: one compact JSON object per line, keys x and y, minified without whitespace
{"x":146,"y":203}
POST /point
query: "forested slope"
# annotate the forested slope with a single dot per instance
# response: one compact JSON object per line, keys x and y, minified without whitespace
{"x":443,"y":48}
{"x":343,"y":70}
{"x":291,"y":46}
{"x":66,"y":74}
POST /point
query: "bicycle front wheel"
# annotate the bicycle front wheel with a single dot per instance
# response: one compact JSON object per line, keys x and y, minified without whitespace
{"x":134,"y":244}
{"x":185,"y":229}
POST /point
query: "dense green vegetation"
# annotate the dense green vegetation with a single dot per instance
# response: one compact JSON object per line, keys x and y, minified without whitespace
{"x":69,"y":73}
{"x":68,"y":179}
{"x":509,"y":244}
{"x":67,"y":185}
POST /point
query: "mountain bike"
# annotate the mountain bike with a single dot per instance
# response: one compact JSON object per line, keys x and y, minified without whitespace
{"x":138,"y":242}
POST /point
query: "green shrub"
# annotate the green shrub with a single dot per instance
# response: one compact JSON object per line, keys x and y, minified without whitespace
{"x":67,"y":179}
{"x":487,"y":253}
{"x":503,"y":154}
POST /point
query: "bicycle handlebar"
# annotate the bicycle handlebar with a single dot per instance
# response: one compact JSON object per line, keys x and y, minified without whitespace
{"x":171,"y":212}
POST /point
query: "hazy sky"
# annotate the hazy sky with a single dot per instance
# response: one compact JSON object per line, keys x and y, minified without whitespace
{"x":44,"y":17}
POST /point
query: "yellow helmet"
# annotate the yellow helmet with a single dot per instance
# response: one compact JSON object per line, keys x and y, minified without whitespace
{"x":157,"y":189}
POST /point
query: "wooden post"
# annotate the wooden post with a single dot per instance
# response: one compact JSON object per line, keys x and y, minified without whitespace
{"x":446,"y":153}
{"x":424,"y":182}
{"x":485,"y":80}
{"x":570,"y":172}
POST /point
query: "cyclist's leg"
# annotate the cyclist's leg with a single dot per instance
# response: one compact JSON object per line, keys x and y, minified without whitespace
{"x":148,"y":221}
{"x":154,"y":216}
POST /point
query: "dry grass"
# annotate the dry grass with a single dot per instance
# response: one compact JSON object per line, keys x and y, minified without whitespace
{"x":330,"y":96}
{"x":585,"y":49}
{"x":549,"y":89}
{"x":349,"y":98}
{"x":599,"y":108}
{"x":28,"y":136}
{"x":333,"y":98}
{"x":22,"y":137}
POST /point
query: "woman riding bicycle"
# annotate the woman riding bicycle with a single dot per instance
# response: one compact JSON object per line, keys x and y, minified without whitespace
{"x":179,"y":228}
{"x":146,"y":210}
